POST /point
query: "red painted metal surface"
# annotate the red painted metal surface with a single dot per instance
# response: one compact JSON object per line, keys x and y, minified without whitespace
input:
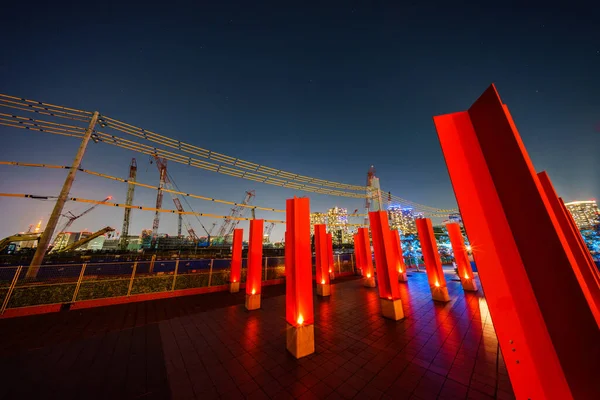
{"x":366,"y":256}
{"x":385,"y":256}
{"x":236,"y":256}
{"x":322,"y":254}
{"x":330,"y":262}
{"x":546,"y":330}
{"x":460,"y":252}
{"x":255,"y":247}
{"x":433,"y":262}
{"x":400,"y":265}
{"x":298,"y":263}
{"x":357,"y":253}
{"x":583,"y":267}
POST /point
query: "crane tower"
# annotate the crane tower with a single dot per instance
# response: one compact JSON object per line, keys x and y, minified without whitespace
{"x":237,"y":212}
{"x":129,"y":201}
{"x":161,"y":164}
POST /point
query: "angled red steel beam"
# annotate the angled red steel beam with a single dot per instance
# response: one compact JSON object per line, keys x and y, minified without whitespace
{"x":545,"y":327}
{"x":433,"y":262}
{"x":322,"y":260}
{"x":465,"y":271}
{"x":236,"y":261}
{"x":331,"y":263}
{"x":400,"y":265}
{"x":299,"y":312}
{"x":387,"y":264}
{"x":366,"y":255}
{"x":253,"y":274}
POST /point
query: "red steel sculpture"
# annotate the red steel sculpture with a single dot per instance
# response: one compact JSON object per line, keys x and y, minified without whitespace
{"x":465,"y":271}
{"x":433,"y":262}
{"x":253,"y":275}
{"x":365,"y":255}
{"x":299,"y":313}
{"x":387,"y":264}
{"x":400,"y":265}
{"x":236,"y":261}
{"x":322,"y":260}
{"x":330,"y":256}
{"x":546,"y":329}
{"x":584,"y":268}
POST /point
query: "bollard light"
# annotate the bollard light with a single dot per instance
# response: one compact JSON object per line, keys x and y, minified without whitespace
{"x":300,"y":320}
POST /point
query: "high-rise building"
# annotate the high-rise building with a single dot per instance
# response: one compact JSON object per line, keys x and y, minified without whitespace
{"x":403,"y":219}
{"x":585,"y":213}
{"x":337,"y":225}
{"x":317,"y":218}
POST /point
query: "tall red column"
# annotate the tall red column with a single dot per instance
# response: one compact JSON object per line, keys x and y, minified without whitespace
{"x":299,"y":313}
{"x":584,"y":267}
{"x":357,"y":255}
{"x":400,"y":265}
{"x":465,"y":271}
{"x":433,"y":262}
{"x":330,"y":262}
{"x":322,"y":258}
{"x":545,"y":327}
{"x":253,"y":275}
{"x":365,"y":246}
{"x":236,"y":261}
{"x":386,"y":260}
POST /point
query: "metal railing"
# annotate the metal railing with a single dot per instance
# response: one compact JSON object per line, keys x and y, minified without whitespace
{"x":71,"y":283}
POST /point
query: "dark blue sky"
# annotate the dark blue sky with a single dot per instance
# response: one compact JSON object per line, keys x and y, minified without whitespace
{"x":320,"y":90}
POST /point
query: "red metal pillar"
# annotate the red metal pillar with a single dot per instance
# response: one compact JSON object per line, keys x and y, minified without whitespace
{"x":584,"y":268}
{"x":253,"y":274}
{"x":357,"y":254}
{"x":465,"y":271}
{"x":330,"y":261}
{"x":545,"y":327}
{"x":365,"y":246}
{"x":299,"y":313}
{"x":236,"y":261}
{"x":400,"y":265}
{"x":433,"y":262}
{"x":322,"y":258}
{"x":387,"y":273}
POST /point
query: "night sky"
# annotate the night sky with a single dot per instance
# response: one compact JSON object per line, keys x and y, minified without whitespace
{"x":319,"y":90}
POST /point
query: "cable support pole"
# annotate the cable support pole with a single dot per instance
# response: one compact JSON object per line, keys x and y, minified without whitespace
{"x":46,"y":236}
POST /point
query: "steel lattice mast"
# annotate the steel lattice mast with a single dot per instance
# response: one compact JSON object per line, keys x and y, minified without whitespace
{"x":129,"y":201}
{"x":161,"y":164}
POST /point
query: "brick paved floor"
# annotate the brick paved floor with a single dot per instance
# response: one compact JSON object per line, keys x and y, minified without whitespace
{"x":209,"y":346}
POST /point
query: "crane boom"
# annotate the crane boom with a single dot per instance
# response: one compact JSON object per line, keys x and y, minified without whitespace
{"x":238,"y":211}
{"x":83,"y":241}
{"x":19,"y":237}
{"x":73,"y":217}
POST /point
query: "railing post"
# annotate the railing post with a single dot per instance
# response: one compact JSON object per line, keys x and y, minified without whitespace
{"x":175,"y":274}
{"x":131,"y":279}
{"x":10,"y":289}
{"x":339,"y":264}
{"x":352,"y":262}
{"x":79,"y":282}
{"x":266,"y":258}
{"x":212,"y":260}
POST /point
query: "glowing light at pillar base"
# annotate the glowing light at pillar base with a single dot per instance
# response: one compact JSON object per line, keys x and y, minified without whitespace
{"x":437,"y":284}
{"x":300,"y":320}
{"x":368,"y":275}
{"x":322,"y":281}
{"x":253,"y":291}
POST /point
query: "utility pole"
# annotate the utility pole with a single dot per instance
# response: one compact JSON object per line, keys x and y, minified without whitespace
{"x":44,"y":242}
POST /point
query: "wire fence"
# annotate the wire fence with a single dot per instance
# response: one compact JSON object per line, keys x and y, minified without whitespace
{"x":71,"y":283}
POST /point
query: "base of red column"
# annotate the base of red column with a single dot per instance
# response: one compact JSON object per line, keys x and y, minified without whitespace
{"x":234,"y":287}
{"x":300,"y":340}
{"x":440,"y":293}
{"x":402,"y":277}
{"x":369,"y":282}
{"x":252,"y":301}
{"x":331,"y":276}
{"x":392,"y":309}
{"x":469,"y":285}
{"x":323,"y":289}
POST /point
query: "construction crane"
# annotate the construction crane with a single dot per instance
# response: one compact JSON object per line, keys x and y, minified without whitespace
{"x":19,"y":237}
{"x":166,"y":180}
{"x":85,"y":240}
{"x":268,"y":230}
{"x":71,"y":217}
{"x":238,"y":211}
{"x":129,"y":201}
{"x":161,"y":164}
